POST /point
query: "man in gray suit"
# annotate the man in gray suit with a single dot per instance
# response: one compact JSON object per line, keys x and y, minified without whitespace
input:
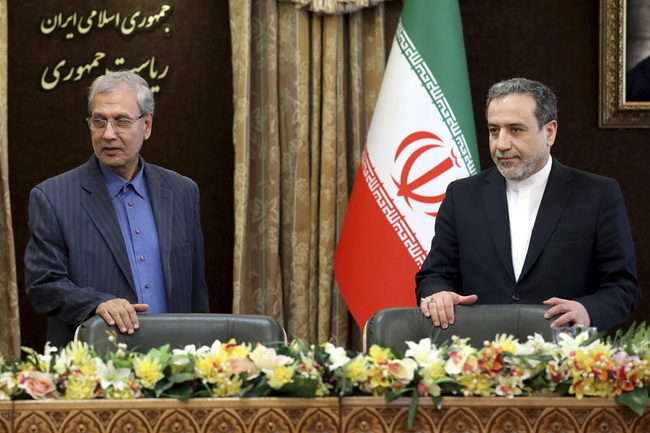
{"x":115,"y":236}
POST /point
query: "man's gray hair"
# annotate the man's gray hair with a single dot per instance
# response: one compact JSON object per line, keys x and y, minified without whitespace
{"x":546,"y":102}
{"x":114,"y":81}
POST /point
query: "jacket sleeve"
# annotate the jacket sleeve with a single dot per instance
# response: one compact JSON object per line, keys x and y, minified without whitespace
{"x":440,"y":270}
{"x":617,"y":290}
{"x":47,"y":273}
{"x":200,"y":301}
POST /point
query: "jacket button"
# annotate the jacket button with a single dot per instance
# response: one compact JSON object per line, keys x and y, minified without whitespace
{"x":515,"y":297}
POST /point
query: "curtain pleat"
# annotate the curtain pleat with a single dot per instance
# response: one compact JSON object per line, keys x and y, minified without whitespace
{"x":9,"y":317}
{"x":330,"y":7}
{"x":305,"y":85}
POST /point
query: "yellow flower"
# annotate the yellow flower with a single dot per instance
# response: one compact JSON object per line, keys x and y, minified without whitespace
{"x":379,"y":380}
{"x":88,"y":369}
{"x":227,"y":386}
{"x":581,"y":386}
{"x":148,"y":370}
{"x":355,"y":370}
{"x":78,"y":387}
{"x":378,"y":355}
{"x":235,"y":351}
{"x":280,"y":376}
{"x":504,"y":343}
{"x":478,"y":384}
{"x":434,"y":371}
{"x":205,"y":370}
{"x":127,"y":392}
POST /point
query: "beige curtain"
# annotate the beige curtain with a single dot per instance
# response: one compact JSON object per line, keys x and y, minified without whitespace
{"x":9,"y":322}
{"x":305,"y":86}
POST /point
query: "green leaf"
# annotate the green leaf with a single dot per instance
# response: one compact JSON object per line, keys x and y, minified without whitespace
{"x":258,"y":387}
{"x":392,"y":395}
{"x":413,"y":409}
{"x":162,"y":386}
{"x":180,"y":377}
{"x":301,"y":387}
{"x":636,"y":400}
{"x":538,"y":381}
{"x":562,"y":388}
{"x":343,"y":387}
{"x":181,"y":392}
{"x":437,"y":400}
{"x":450,"y":387}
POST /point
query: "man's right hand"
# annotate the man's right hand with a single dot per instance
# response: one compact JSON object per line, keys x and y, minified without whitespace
{"x":121,"y":313}
{"x":440,"y":307}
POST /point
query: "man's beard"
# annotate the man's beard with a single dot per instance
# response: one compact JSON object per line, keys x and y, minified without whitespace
{"x":525,"y":169}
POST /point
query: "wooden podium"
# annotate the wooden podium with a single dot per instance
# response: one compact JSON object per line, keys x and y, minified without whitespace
{"x":322,"y":415}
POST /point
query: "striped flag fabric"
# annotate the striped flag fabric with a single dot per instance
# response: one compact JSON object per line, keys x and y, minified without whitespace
{"x":422,"y":136}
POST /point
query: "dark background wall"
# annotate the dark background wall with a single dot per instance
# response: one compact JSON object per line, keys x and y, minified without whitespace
{"x":553,"y":41}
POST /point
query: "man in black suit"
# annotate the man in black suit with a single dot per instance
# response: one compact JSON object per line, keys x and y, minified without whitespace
{"x":531,"y":230}
{"x":115,"y":236}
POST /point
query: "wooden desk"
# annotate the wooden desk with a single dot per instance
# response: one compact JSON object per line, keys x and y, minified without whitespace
{"x":322,"y":415}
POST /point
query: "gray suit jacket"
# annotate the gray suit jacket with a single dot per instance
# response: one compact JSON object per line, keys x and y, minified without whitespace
{"x":581,"y":246}
{"x":76,"y":257}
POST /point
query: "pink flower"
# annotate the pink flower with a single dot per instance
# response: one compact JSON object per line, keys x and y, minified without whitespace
{"x":241,"y":365}
{"x":39,"y":385}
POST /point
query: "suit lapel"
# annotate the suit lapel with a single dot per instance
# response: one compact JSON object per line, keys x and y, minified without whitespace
{"x":99,"y":207}
{"x":162,"y":204}
{"x":496,"y":208}
{"x":554,"y":200}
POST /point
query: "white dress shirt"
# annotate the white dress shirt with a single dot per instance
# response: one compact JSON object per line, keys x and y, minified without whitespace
{"x":524,"y":198}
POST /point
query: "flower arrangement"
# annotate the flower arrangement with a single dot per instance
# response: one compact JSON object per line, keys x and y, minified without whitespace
{"x":582,"y":366}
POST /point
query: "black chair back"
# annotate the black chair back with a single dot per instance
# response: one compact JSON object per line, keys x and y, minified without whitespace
{"x":180,"y":330}
{"x":393,"y":327}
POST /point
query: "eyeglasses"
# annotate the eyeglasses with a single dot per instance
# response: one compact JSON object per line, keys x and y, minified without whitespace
{"x":119,"y":125}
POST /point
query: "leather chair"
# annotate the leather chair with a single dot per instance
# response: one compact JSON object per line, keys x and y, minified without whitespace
{"x":180,"y":330}
{"x":393,"y":327}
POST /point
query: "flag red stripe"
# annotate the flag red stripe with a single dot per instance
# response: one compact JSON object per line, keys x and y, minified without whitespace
{"x":377,"y":272}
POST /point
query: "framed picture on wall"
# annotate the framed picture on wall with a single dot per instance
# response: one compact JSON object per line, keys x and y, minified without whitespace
{"x":624,"y":64}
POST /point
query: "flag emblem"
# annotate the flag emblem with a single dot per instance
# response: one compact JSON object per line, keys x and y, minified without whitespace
{"x":424,"y":159}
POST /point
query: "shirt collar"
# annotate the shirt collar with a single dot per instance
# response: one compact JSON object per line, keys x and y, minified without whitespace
{"x":536,"y":180}
{"x":115,"y":182}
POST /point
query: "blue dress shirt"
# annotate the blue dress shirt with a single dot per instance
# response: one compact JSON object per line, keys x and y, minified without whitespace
{"x":133,"y":208}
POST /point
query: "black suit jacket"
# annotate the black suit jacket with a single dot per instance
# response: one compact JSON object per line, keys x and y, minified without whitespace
{"x":76,"y":257}
{"x":581,"y":246}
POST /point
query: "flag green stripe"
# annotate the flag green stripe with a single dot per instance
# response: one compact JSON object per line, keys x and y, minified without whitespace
{"x":435,"y":28}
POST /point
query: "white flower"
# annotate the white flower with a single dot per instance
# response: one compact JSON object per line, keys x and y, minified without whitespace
{"x":7,"y":385}
{"x":267,"y":360}
{"x":111,"y":376}
{"x":403,"y":369}
{"x":338,"y":357}
{"x":48,"y":353}
{"x":457,"y":359}
{"x":569,"y":344}
{"x":425,"y":353}
{"x":187,"y":350}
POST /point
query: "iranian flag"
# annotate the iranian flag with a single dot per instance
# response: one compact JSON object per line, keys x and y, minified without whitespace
{"x":422,"y":137}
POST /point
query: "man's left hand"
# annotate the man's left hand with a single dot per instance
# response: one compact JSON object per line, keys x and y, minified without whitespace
{"x":571,"y":312}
